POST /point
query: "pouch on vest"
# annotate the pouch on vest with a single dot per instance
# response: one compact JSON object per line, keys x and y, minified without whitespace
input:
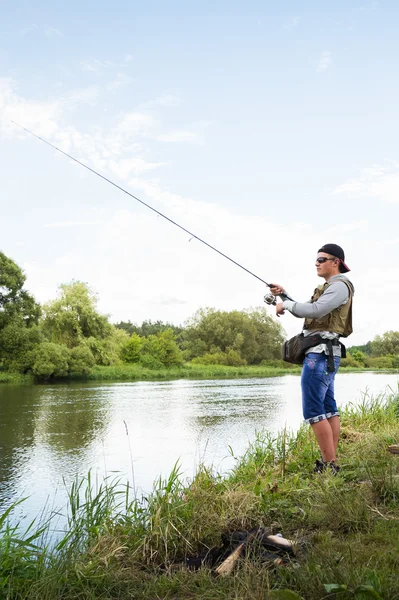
{"x":295,"y":348}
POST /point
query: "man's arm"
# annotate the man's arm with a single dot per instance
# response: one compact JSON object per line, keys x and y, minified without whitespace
{"x":335,"y":295}
{"x":277,"y":289}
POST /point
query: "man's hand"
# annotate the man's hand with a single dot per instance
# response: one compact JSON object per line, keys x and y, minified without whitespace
{"x":280,"y":310}
{"x":276,"y":289}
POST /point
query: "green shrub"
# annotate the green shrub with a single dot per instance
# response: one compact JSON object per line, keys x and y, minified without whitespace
{"x":379,"y":362}
{"x":349,"y":361}
{"x":230,"y":358}
{"x":359,"y":356}
{"x":150,"y":362}
{"x":131,"y":350}
{"x":106,"y":351}
{"x":16,"y":343}
{"x":162,"y":347}
{"x":81,"y":361}
{"x":253,"y":334}
{"x":50,"y":360}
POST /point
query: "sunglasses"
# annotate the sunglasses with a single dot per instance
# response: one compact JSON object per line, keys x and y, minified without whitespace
{"x":323,"y":259}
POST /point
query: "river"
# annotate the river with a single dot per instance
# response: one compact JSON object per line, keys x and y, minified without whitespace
{"x":51,"y":434}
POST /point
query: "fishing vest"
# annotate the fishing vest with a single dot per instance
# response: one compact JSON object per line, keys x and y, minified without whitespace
{"x":337,"y":321}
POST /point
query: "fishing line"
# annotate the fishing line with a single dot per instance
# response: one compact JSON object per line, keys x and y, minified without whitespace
{"x":141,"y":202}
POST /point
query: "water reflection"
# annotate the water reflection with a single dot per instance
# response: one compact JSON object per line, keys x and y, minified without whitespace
{"x":17,"y":418}
{"x":70,"y":418}
{"x":46,"y":435}
{"x":51,"y":434}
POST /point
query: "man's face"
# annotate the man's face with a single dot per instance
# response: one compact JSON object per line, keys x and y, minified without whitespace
{"x":328,"y":265}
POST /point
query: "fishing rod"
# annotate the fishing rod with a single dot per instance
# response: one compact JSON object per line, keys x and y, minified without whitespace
{"x":268,"y":298}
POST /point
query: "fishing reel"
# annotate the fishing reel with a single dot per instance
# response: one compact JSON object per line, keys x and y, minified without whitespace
{"x":270,"y":299}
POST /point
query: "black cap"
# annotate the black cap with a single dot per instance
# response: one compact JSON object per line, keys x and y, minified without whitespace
{"x":336,"y":251}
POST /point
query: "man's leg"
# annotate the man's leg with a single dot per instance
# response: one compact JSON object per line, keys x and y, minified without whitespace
{"x":319,"y":408}
{"x":325,"y":439}
{"x":335,"y":425}
{"x":331,"y":406}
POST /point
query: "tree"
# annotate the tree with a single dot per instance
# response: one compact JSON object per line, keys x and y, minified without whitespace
{"x":162,"y":348}
{"x":388,"y":343}
{"x":73,"y":316}
{"x":365,"y":349}
{"x":358,"y":356}
{"x":73,"y":320}
{"x":269,"y":335}
{"x":148,"y":328}
{"x":19,"y":315}
{"x":130,"y":352}
{"x":50,"y":360}
{"x":16,"y":344}
{"x":253,"y":335}
{"x":127,"y":326}
{"x":107,"y":351}
{"x":230,"y":358}
{"x":81,"y":361}
{"x":15,"y":302}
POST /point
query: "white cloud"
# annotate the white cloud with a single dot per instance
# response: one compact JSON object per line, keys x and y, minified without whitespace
{"x":346,"y":227}
{"x":52,"y":32}
{"x":28,"y":29}
{"x":40,"y":116}
{"x":169,"y":100}
{"x":96,"y":66}
{"x":81,"y":96}
{"x":120,"y":80}
{"x":136,"y":123}
{"x":181,"y":136}
{"x":377,"y":182}
{"x":324,"y":61}
{"x":126,"y":167}
{"x":62,"y":224}
{"x":48,"y":31}
{"x":122,"y":142}
{"x":394,"y":242}
{"x":292,"y":23}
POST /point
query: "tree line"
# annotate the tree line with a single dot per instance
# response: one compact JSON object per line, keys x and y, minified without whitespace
{"x":380,"y":353}
{"x":67,"y":336}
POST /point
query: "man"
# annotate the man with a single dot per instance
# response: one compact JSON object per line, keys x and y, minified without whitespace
{"x":328,"y":315}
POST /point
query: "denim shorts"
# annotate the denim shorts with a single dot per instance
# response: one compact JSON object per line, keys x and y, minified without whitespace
{"x":318,"y":402}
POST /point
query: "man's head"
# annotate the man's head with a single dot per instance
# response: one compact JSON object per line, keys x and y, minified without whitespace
{"x":330,"y":261}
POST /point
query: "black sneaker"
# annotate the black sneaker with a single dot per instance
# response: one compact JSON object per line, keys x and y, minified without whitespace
{"x":334,"y":467}
{"x":320,"y":466}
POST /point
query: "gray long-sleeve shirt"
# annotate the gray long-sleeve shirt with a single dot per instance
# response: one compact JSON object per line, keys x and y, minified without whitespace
{"x":335,"y":295}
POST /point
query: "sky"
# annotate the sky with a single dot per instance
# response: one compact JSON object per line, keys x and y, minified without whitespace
{"x":266,"y":129}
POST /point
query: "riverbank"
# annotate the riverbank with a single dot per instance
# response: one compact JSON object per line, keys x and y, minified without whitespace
{"x":135,"y":372}
{"x":345,"y":528}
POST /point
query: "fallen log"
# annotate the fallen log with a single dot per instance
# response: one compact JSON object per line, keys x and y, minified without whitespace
{"x":277,"y":541}
{"x":263,"y":537}
{"x":230,"y":562}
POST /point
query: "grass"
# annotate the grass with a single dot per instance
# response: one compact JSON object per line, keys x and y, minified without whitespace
{"x":133,"y":372}
{"x":15,"y":378}
{"x":136,"y":372}
{"x":119,"y":546}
